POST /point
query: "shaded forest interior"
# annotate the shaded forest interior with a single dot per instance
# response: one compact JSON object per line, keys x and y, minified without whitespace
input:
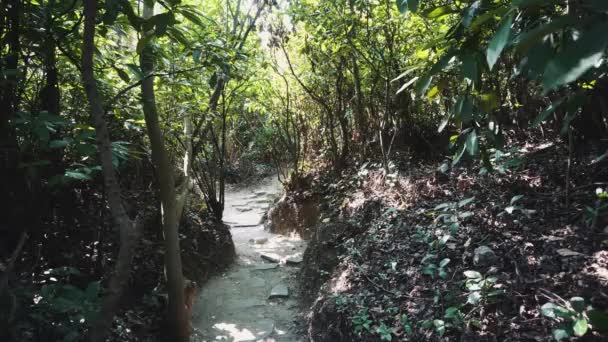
{"x":445,"y":160}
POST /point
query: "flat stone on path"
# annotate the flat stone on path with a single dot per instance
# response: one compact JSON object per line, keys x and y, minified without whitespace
{"x":279,"y":291}
{"x":294,"y":260}
{"x":271,"y":257}
{"x":261,"y":241}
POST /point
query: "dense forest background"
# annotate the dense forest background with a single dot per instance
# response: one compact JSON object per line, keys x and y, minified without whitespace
{"x":122,"y":121}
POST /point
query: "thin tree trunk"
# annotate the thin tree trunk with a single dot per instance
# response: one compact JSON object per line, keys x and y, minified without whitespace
{"x":128,"y":230}
{"x":178,"y":320}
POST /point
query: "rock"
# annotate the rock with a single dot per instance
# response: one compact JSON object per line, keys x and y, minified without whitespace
{"x":260,"y":193}
{"x":279,"y":291}
{"x":483,"y":256}
{"x":294,"y":260}
{"x":263,"y":267}
{"x":261,"y":241}
{"x":565,"y":252}
{"x":242,"y":210}
{"x":270,"y":257}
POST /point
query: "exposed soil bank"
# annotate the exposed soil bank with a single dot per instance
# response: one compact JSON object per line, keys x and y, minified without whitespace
{"x":394,"y":255}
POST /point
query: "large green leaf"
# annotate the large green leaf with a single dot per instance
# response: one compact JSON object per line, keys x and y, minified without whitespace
{"x":577,"y":58}
{"x":438,"y":12}
{"x":470,"y":13}
{"x":405,"y":5}
{"x":580,"y":326}
{"x":423,"y":84}
{"x":533,"y":65}
{"x":469,"y":69}
{"x":472,"y":143}
{"x":527,"y":39}
{"x":499,"y":41}
{"x":545,"y":113}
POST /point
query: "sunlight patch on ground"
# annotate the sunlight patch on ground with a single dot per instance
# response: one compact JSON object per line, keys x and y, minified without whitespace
{"x":231,"y":332}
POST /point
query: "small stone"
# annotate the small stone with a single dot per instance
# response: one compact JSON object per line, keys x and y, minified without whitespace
{"x":270,"y":257}
{"x":565,"y":252}
{"x":294,"y":260}
{"x":483,"y":256}
{"x":261,"y":241}
{"x":279,"y":291}
{"x":242,"y":210}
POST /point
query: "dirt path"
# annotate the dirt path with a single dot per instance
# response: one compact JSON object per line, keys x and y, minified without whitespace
{"x":236,"y":306}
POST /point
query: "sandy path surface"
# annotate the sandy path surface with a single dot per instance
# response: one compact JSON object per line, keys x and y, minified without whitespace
{"x":248,"y":302}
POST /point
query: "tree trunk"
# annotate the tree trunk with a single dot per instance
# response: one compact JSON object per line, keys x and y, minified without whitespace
{"x":178,"y":321}
{"x":128,"y":230}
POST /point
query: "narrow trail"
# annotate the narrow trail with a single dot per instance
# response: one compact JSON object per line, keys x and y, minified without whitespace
{"x":248,"y":302}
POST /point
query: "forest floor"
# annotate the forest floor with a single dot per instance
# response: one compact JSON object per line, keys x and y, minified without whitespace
{"x":399,"y":256}
{"x":237,"y":305}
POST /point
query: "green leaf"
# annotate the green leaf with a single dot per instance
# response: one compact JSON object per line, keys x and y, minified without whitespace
{"x":548,"y":310}
{"x":472,"y":143}
{"x":423,"y":84}
{"x":474,"y":298}
{"x":545,"y":113}
{"x":469,"y":13}
{"x":413,"y":5}
{"x":444,"y":262}
{"x":577,"y":58}
{"x":438,"y":12}
{"x":443,"y":125}
{"x":499,"y":41}
{"x":465,"y":201}
{"x":534,"y":63}
{"x":58,"y":143}
{"x":473,"y":275}
{"x":136,"y":71}
{"x":459,"y":155}
{"x":560,"y":334}
{"x":452,"y":312}
{"x":407,"y":84}
{"x":580,"y":326}
{"x":402,"y":6}
{"x":77,"y":175}
{"x":469,"y":70}
{"x":405,"y":73}
{"x":439,"y":326}
{"x":527,"y":39}
{"x":161,"y":22}
{"x":194,"y":16}
{"x":123,"y":75}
